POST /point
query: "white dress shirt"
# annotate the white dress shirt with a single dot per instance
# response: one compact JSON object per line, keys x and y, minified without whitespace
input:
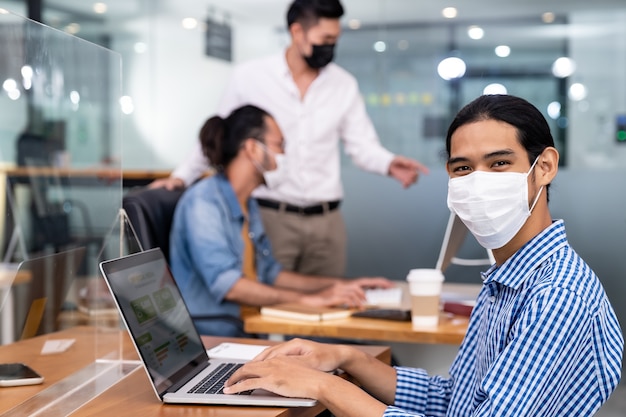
{"x":332,"y":109}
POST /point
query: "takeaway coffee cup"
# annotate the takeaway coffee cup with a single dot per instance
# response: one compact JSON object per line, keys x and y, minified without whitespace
{"x":425,"y":289}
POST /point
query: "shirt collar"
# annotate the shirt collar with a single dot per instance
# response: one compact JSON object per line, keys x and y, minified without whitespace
{"x":283,"y":68}
{"x":230,"y":197}
{"x":529,"y":257}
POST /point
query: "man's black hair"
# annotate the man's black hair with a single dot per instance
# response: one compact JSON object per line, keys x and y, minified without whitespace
{"x":308,"y":12}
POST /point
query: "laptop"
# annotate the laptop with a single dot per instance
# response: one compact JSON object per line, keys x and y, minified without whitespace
{"x":166,"y":340}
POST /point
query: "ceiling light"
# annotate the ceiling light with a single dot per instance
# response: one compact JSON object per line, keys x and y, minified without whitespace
{"x":475,"y":32}
{"x":72,"y":28}
{"x":354,"y":24}
{"x":9,"y":84}
{"x":449,"y":12}
{"x":563,"y":67}
{"x":126,"y":103}
{"x":4,"y":11}
{"x":451,"y":68}
{"x":75,"y":97}
{"x":380,"y":46}
{"x":140,"y":47}
{"x":14,"y":94}
{"x":495,"y":88}
{"x":554,"y":110}
{"x":100,"y":8}
{"x":190,"y":23}
{"x":503,"y":51}
{"x":577,"y":92}
{"x":548,"y":17}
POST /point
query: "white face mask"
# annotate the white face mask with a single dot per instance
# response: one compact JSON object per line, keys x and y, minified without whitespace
{"x":493,"y":205}
{"x":277,"y":176}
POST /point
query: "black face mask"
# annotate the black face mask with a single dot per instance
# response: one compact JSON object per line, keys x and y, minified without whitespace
{"x":321,"y":56}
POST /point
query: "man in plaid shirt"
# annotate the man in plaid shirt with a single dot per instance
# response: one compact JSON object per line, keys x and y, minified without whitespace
{"x":543,"y":339}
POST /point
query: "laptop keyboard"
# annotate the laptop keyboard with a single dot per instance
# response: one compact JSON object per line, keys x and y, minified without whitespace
{"x":213,"y":383}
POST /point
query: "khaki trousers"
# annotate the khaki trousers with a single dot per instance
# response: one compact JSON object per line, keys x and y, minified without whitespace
{"x":312,"y":245}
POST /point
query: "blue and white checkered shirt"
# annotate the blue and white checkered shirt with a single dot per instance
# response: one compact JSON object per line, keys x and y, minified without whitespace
{"x":543,"y":340}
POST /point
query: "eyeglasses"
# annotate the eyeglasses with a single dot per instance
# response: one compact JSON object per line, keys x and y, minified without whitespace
{"x":264,"y":142}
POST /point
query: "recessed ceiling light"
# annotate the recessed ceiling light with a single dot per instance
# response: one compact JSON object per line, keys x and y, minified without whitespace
{"x":72,"y":28}
{"x":563,"y":67}
{"x":354,"y":24}
{"x":140,"y":47}
{"x":577,"y":92}
{"x":548,"y":17}
{"x":380,"y":46}
{"x":475,"y":32}
{"x":503,"y":51}
{"x":451,"y":68}
{"x":449,"y":12}
{"x":100,"y":8}
{"x":190,"y":23}
{"x":495,"y":88}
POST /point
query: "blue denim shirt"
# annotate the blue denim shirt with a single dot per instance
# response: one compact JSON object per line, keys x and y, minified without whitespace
{"x":206,"y":251}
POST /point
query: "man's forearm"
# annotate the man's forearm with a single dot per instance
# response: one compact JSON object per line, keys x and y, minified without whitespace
{"x":254,"y":293}
{"x":303,"y":283}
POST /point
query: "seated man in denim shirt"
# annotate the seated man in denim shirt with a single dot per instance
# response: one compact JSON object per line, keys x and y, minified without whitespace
{"x":208,"y":248}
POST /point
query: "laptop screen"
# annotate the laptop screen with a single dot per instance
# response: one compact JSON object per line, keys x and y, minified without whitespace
{"x":157,"y":318}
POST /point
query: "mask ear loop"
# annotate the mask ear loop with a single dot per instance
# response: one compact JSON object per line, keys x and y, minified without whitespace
{"x":540,"y":190}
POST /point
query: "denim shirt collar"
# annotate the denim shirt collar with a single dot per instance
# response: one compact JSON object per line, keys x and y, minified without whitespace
{"x":230,"y":198}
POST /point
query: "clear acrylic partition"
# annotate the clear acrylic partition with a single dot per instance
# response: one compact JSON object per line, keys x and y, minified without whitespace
{"x":62,"y":188}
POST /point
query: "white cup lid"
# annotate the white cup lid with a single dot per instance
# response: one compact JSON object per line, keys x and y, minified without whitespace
{"x":425,"y":274}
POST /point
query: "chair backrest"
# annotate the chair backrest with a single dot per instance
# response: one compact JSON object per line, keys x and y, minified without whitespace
{"x":452,"y":241}
{"x":150,"y":211}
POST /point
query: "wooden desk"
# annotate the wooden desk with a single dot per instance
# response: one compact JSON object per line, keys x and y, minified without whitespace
{"x":132,"y":395}
{"x":129,"y":177}
{"x":451,"y":329}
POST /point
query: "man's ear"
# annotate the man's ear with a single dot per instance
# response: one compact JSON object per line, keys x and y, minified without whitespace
{"x":296,"y":30}
{"x":249,"y":146}
{"x":547,"y":166}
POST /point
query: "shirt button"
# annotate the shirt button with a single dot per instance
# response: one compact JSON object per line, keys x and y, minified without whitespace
{"x":251,"y":235}
{"x":266,"y":252}
{"x":492,"y":298}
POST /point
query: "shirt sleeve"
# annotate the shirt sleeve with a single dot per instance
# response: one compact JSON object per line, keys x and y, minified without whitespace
{"x":206,"y":235}
{"x":549,"y":366}
{"x":417,"y":394}
{"x":193,"y":167}
{"x":360,"y":138}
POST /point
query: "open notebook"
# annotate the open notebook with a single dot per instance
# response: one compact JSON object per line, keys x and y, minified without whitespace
{"x":168,"y":344}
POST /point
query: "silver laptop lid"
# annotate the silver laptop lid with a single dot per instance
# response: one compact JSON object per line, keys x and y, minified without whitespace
{"x":157,"y":318}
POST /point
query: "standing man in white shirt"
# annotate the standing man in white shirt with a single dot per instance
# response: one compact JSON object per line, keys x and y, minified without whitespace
{"x":316,"y":104}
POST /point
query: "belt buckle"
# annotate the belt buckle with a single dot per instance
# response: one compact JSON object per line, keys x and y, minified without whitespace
{"x":301,"y":210}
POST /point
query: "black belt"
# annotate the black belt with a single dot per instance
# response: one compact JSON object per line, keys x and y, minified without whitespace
{"x":304,"y":211}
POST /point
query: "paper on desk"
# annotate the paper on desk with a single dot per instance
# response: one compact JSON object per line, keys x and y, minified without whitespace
{"x":56,"y":346}
{"x":235,"y":351}
{"x":383,"y":296}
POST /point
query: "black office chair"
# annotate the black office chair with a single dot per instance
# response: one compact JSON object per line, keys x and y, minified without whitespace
{"x":151,"y":212}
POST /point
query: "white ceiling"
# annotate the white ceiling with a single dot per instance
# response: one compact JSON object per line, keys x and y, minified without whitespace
{"x":368,"y":11}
